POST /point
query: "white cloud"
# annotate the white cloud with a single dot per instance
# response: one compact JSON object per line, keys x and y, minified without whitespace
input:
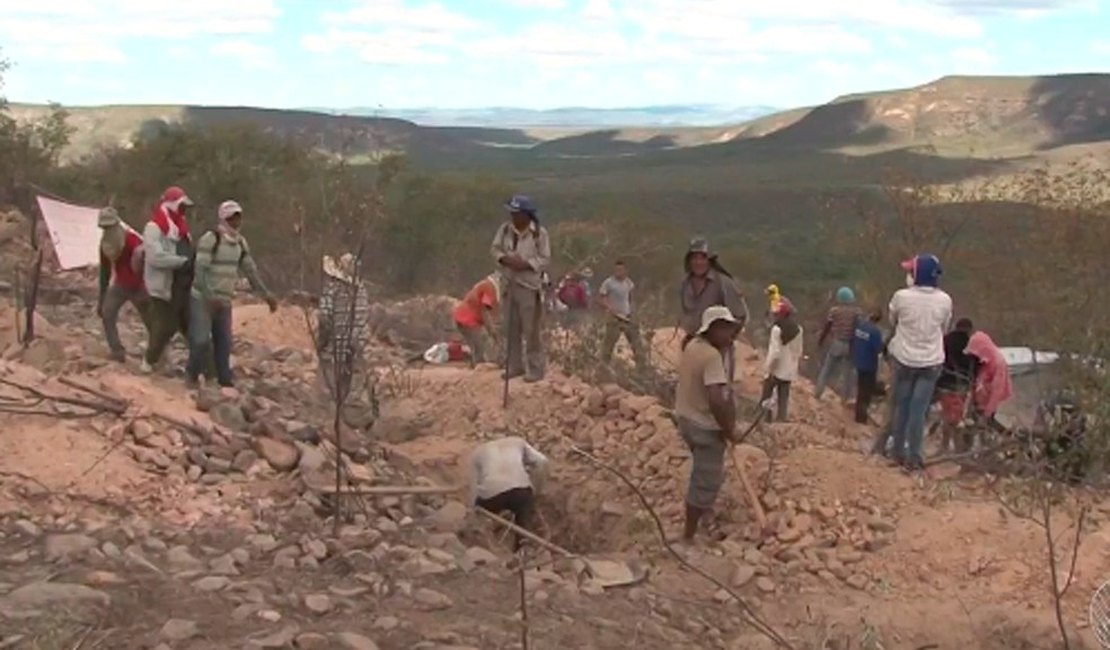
{"x":599,"y":10}
{"x":83,"y":31}
{"x":1101,"y":48}
{"x":538,"y":4}
{"x":250,"y":55}
{"x":392,"y":32}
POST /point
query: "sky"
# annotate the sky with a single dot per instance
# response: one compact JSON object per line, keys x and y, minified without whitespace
{"x":528,"y":53}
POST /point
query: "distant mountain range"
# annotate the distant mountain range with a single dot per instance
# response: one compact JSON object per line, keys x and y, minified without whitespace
{"x":567,"y":117}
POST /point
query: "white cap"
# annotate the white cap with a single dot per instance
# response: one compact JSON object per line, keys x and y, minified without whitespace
{"x":713,"y":314}
{"x":228,"y":209}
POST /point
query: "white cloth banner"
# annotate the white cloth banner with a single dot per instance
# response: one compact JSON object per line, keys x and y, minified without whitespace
{"x":74,"y":231}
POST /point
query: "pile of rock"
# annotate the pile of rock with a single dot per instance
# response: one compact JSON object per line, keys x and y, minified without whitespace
{"x":806,"y":533}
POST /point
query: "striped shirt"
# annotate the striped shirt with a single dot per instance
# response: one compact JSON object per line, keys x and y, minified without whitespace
{"x":218,"y":267}
{"x":842,"y":322}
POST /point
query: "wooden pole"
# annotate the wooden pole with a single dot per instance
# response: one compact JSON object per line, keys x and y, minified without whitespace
{"x":753,"y":499}
{"x":526,"y":534}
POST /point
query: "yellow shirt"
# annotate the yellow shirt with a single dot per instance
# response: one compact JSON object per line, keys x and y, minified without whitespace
{"x":702,"y":366}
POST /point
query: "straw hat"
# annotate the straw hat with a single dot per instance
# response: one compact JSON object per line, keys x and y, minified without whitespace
{"x":341,"y":270}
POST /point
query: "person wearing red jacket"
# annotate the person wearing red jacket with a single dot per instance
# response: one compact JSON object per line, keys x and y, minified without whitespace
{"x":121,"y":277}
{"x":993,"y":385}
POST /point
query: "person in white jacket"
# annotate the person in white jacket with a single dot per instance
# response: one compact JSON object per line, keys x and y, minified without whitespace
{"x":506,"y":474}
{"x":784,"y":355}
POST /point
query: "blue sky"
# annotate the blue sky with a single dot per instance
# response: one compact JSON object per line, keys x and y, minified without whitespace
{"x":529,"y":53}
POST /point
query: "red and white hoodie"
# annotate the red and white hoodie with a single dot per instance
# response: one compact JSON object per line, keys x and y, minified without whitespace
{"x":167,"y":227}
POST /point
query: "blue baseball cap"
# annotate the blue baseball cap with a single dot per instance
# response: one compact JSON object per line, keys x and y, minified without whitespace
{"x":521,"y":203}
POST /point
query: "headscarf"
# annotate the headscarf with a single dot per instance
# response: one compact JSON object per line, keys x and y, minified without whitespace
{"x":845,"y":295}
{"x":169,"y":215}
{"x":992,"y":379}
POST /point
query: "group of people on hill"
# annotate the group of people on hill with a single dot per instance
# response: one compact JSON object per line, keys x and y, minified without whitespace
{"x":962,"y":369}
{"x":181,"y":283}
{"x":959,"y":369}
{"x":177,"y":283}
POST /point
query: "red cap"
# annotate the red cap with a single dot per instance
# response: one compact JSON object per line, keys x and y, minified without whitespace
{"x":785,"y":307}
{"x":175,"y":194}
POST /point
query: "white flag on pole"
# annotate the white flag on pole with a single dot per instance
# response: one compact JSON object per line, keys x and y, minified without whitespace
{"x":74,"y":231}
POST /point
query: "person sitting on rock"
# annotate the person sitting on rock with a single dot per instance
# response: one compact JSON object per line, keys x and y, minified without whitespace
{"x":705,"y":409}
{"x":121,"y":277}
{"x":506,"y":475}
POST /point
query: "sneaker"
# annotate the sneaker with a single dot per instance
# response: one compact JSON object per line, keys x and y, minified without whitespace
{"x":146,"y":368}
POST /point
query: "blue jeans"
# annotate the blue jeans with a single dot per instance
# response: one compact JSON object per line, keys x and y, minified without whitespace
{"x":209,"y":335}
{"x":913,"y":392}
{"x":837,"y":368}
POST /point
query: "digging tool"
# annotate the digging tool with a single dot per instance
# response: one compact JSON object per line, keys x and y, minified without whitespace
{"x":508,"y":345}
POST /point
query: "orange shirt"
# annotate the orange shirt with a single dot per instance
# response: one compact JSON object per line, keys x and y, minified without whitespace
{"x":470,"y":312}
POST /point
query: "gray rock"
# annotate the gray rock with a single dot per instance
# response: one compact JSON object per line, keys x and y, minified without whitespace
{"x":449,"y":518}
{"x":212,"y":584}
{"x":857,"y":581}
{"x":316,"y":549}
{"x":881,"y":525}
{"x":263,"y":542}
{"x":387,"y":623}
{"x":764,"y":584}
{"x":353,"y":641}
{"x":281,"y":455}
{"x":312,"y":641}
{"x":28,"y":528}
{"x":311,"y":460}
{"x":229,"y":415}
{"x":280,"y":639}
{"x":140,"y":430}
{"x":111,"y":550}
{"x":180,"y":557}
{"x":318,"y":604}
{"x":59,"y":547}
{"x":480,"y":556}
{"x":244,"y":460}
{"x":742,"y":575}
{"x":177,"y":629}
{"x":215,"y":465}
{"x":430,"y":600}
{"x":224,"y":566}
{"x":194,"y":472}
{"x":42,"y":595}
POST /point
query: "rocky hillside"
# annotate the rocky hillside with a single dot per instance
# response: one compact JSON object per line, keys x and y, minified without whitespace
{"x":1006,"y":114}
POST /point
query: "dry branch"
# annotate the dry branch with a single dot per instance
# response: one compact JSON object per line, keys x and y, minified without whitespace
{"x":393,"y":490}
{"x":750,"y":615}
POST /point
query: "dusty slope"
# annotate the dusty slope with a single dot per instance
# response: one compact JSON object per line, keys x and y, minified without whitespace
{"x":205,"y":523}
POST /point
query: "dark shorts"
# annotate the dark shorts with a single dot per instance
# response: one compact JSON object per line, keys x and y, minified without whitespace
{"x":519,"y":501}
{"x":707,"y":449}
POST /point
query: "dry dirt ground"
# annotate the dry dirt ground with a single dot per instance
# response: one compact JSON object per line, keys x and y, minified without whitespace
{"x":160,"y":518}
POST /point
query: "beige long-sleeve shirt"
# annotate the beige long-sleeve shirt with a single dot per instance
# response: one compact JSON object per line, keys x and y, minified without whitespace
{"x":504,"y":464}
{"x":532,"y":245}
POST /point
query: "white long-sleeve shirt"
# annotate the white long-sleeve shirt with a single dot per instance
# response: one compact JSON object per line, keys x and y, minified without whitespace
{"x":920,"y":316}
{"x":783,"y":360}
{"x":501,"y":465}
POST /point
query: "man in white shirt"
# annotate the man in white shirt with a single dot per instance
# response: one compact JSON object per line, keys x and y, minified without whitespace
{"x":921,"y":314}
{"x":506,"y":474}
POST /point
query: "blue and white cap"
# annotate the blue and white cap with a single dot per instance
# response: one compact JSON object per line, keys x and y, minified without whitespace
{"x":521,"y":203}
